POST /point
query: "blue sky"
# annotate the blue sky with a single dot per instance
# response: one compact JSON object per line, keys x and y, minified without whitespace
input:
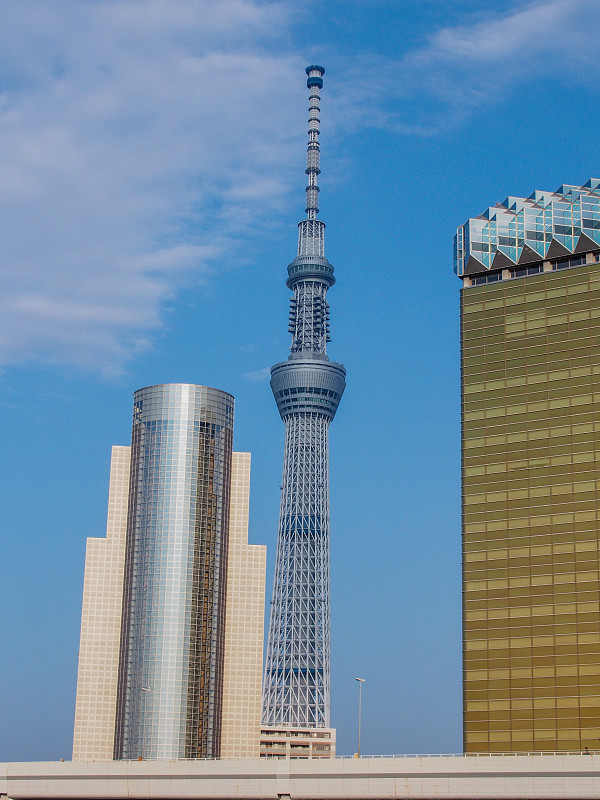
{"x":151,"y":178}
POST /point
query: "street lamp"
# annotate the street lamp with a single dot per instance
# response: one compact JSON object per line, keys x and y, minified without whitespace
{"x":145,"y":689}
{"x":360,"y":683}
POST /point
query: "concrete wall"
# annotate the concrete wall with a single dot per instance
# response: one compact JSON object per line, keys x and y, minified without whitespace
{"x":435,"y":777}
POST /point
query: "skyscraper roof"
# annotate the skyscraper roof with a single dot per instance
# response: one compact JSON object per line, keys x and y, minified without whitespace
{"x":523,"y":230}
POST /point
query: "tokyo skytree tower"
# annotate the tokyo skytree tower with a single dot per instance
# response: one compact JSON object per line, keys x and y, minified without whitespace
{"x":307,"y":389}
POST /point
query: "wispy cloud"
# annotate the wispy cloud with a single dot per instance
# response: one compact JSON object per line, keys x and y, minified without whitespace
{"x":259,"y":375}
{"x":141,"y":141}
{"x":480,"y":62}
{"x":135,"y":136}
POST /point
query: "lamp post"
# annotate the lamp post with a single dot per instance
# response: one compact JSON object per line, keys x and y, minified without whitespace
{"x":360,"y":683}
{"x":145,"y":689}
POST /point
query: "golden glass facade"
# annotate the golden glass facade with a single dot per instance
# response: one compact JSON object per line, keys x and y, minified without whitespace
{"x":531,"y":481}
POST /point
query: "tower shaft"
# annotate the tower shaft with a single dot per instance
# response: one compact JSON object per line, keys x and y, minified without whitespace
{"x":307,"y":388}
{"x":297,"y":689}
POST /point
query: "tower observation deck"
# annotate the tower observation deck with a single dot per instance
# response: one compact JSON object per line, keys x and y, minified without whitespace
{"x":307,"y":389}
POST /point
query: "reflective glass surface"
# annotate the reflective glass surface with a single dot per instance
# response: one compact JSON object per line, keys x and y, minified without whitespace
{"x":170,"y":676}
{"x":523,"y":230}
{"x":531,"y":486}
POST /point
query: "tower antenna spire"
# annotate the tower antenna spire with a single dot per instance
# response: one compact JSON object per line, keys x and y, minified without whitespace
{"x":313,"y":154}
{"x":311,"y":232}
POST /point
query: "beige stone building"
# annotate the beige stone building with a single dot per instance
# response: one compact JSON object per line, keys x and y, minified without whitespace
{"x":101,"y":623}
{"x":242,"y":670}
{"x":97,"y":683}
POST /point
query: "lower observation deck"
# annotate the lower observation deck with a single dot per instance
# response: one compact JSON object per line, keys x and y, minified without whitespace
{"x":496,"y":777}
{"x":308,"y":385}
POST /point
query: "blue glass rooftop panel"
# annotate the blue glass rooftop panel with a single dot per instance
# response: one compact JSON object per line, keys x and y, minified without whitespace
{"x":522,"y":229}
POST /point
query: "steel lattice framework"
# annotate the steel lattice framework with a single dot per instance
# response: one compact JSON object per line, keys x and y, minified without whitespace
{"x":307,"y":388}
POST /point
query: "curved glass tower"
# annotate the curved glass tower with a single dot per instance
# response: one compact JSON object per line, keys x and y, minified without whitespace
{"x":172,"y":634}
{"x":307,"y":388}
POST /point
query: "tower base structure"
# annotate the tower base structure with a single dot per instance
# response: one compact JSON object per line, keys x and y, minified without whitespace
{"x":277,"y":741}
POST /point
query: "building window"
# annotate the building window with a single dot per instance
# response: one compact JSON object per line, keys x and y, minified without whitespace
{"x":565,"y":263}
{"x":522,"y":272}
{"x":491,"y":278}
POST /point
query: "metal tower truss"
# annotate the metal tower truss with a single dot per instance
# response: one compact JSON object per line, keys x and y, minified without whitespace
{"x":307,"y":388}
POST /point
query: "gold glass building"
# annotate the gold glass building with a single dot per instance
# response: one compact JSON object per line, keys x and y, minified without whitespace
{"x":530,"y":338}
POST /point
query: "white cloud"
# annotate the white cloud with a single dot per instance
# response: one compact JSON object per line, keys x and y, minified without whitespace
{"x":480,"y":62}
{"x":477,"y":62}
{"x":142,"y":140}
{"x":259,"y":375}
{"x":135,"y":137}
